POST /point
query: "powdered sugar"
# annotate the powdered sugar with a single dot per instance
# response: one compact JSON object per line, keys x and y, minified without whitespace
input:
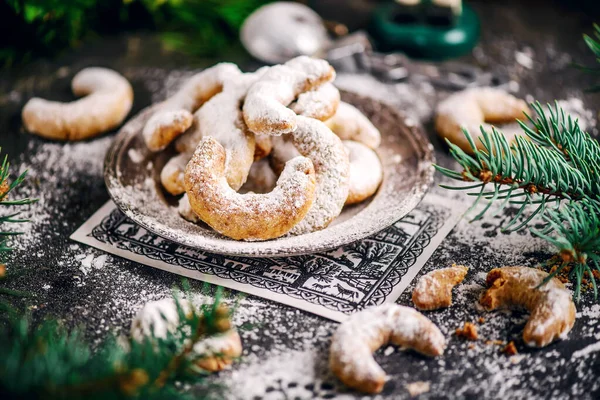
{"x":356,"y":338}
{"x":574,"y":107}
{"x":551,"y":305}
{"x":350,"y":124}
{"x":221,"y":119}
{"x":320,"y":103}
{"x":108,"y":101}
{"x":52,"y":170}
{"x":265,"y":109}
{"x":175,"y":111}
{"x":315,"y":141}
{"x":172,"y":174}
{"x":434,"y":290}
{"x":365,"y":172}
{"x":247,"y":216}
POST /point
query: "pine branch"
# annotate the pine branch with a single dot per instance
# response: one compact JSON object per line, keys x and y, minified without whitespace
{"x":6,"y":188}
{"x":48,"y":362}
{"x":551,"y":174}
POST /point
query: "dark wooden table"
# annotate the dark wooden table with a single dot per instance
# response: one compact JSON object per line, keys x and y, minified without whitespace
{"x":285,"y":349}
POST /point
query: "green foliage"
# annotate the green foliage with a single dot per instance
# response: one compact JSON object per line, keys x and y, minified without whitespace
{"x":45,"y":361}
{"x":44,"y":27}
{"x":594,"y":44}
{"x":553,"y":171}
{"x":200,"y":27}
{"x":6,"y":188}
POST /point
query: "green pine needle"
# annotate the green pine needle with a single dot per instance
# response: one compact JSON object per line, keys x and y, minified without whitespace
{"x":6,"y":200}
{"x":552,"y":175}
{"x":46,"y":361}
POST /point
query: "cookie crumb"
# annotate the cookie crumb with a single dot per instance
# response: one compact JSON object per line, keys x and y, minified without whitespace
{"x":468,"y":331}
{"x":494,"y":342}
{"x":481,"y":320}
{"x":417,"y":388}
{"x":2,"y":270}
{"x":510,"y":349}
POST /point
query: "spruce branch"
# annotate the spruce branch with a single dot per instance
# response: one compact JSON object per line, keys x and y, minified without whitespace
{"x":553,"y":173}
{"x":6,"y":188}
{"x":49,"y":362}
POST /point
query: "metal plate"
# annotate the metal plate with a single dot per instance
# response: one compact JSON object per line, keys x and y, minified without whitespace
{"x":132,"y":178}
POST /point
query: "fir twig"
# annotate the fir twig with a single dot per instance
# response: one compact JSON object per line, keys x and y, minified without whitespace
{"x":46,"y":361}
{"x":6,"y":188}
{"x":553,"y":173}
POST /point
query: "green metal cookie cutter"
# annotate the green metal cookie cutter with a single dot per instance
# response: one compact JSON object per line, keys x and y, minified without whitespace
{"x":424,"y":29}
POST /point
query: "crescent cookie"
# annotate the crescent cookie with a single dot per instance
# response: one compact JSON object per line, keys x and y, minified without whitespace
{"x":171,"y":176}
{"x":221,"y":118}
{"x":247,"y":216}
{"x":350,"y":124}
{"x":283,"y":151}
{"x":352,"y":346}
{"x":477,"y":108}
{"x":265,"y":108}
{"x":174,"y":115}
{"x":185,"y":210}
{"x":264,"y":146}
{"x":551,"y":307}
{"x":315,"y":141}
{"x":366,"y":172}
{"x":157,"y":318}
{"x":108,"y":99}
{"x":434,"y":289}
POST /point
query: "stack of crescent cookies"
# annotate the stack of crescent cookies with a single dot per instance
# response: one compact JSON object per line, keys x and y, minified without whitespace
{"x":281,"y":129}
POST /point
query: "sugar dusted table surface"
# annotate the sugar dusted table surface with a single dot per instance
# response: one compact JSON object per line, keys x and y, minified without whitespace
{"x":285,"y":349}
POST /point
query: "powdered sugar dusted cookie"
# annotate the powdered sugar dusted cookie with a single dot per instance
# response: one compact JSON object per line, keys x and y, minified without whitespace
{"x":316,"y":142}
{"x":157,"y":318}
{"x":366,"y":172}
{"x":351,"y":124}
{"x":184,"y":209}
{"x":108,"y":99}
{"x":265,"y":108}
{"x":551,"y":307}
{"x":283,"y":151}
{"x":174,"y":116}
{"x":352,"y":346}
{"x":264,"y":146}
{"x":434,"y":289}
{"x":247,"y":216}
{"x":474,"y":108}
{"x":222,"y":119}
{"x":320,"y":103}
{"x":172,"y":173}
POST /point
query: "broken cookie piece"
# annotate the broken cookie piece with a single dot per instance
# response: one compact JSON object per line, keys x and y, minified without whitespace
{"x":550,"y":304}
{"x":468,"y":331}
{"x":434,"y":289}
